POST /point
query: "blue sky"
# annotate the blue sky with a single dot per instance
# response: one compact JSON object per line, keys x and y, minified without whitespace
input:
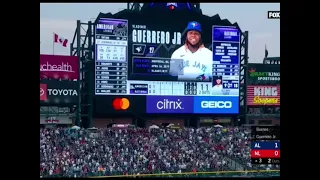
{"x":61,"y":19}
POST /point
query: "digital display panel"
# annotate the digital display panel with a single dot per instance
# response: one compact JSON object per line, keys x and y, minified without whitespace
{"x":138,"y":56}
{"x":111,"y":57}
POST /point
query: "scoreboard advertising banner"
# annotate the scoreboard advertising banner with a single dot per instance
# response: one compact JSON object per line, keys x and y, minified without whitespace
{"x":264,"y":74}
{"x":179,"y":65}
{"x":263,"y":95}
{"x":54,"y":92}
{"x":59,"y":67}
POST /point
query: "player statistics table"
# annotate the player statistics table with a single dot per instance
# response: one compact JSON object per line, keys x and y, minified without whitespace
{"x":111,"y":43}
{"x":226,"y":57}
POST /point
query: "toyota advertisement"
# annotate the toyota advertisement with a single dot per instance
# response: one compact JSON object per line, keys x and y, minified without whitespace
{"x":263,"y":95}
{"x":59,"y":67}
{"x":189,"y":105}
{"x":54,"y":92}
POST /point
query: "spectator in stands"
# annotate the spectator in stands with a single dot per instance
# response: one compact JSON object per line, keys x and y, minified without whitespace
{"x":66,"y":152}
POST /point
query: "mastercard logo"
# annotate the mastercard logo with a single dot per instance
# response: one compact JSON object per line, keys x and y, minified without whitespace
{"x":121,"y":104}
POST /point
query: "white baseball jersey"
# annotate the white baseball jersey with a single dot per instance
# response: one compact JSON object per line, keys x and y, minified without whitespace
{"x":194,"y":64}
{"x":217,"y":89}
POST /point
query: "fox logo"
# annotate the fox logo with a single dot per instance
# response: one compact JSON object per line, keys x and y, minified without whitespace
{"x":273,"y":14}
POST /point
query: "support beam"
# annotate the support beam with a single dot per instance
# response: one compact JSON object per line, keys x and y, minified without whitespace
{"x":82,"y":46}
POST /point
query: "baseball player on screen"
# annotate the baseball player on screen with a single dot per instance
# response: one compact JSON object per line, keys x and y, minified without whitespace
{"x":197,"y":59}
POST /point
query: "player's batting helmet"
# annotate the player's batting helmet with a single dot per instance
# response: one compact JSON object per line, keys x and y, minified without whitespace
{"x":195,"y":26}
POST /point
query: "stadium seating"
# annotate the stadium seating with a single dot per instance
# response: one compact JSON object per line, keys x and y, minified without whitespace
{"x":68,"y":152}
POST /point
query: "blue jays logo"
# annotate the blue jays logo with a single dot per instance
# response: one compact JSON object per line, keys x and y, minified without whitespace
{"x":194,"y":24}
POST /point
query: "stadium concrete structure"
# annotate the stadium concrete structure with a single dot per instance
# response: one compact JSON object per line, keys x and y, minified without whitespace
{"x":83,"y":46}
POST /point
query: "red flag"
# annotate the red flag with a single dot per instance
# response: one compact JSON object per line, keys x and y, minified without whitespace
{"x":61,"y":40}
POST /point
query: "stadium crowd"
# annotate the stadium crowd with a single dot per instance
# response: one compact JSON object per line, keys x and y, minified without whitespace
{"x":79,"y":152}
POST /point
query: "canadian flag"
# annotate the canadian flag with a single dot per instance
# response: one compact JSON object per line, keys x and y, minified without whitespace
{"x":61,"y":40}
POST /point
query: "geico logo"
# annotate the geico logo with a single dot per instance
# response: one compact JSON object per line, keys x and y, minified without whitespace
{"x":264,"y":101}
{"x":62,"y":92}
{"x":216,"y":104}
{"x":121,"y":104}
{"x":166,"y":104}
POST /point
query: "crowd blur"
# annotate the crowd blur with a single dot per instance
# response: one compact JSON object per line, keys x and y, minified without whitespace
{"x":75,"y":152}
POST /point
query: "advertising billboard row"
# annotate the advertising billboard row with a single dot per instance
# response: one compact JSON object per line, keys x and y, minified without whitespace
{"x":263,"y":74}
{"x":263,"y":95}
{"x":54,"y":92}
{"x":168,"y":105}
{"x":59,"y":67}
{"x":189,"y":104}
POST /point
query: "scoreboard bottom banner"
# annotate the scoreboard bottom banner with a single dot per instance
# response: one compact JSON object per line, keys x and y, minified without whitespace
{"x":106,"y":105}
{"x":192,"y":104}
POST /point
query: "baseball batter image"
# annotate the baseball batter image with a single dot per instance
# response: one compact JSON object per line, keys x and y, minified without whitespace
{"x":217,"y":85}
{"x":197,"y":59}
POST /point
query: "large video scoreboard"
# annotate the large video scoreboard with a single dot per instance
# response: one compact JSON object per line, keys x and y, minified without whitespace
{"x":134,"y":56}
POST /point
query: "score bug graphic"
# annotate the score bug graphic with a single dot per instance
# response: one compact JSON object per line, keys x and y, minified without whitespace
{"x":121,"y":104}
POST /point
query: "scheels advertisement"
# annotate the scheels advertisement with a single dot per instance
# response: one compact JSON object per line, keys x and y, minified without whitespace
{"x":54,"y":92}
{"x":59,"y":67}
{"x":263,"y":95}
{"x":188,"y":104}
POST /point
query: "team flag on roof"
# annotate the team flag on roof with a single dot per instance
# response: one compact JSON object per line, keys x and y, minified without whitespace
{"x":60,"y":40}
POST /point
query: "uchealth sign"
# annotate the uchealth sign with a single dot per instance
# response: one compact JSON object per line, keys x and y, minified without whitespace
{"x":54,"y":92}
{"x":263,"y":95}
{"x":59,"y":67}
{"x":169,"y":104}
